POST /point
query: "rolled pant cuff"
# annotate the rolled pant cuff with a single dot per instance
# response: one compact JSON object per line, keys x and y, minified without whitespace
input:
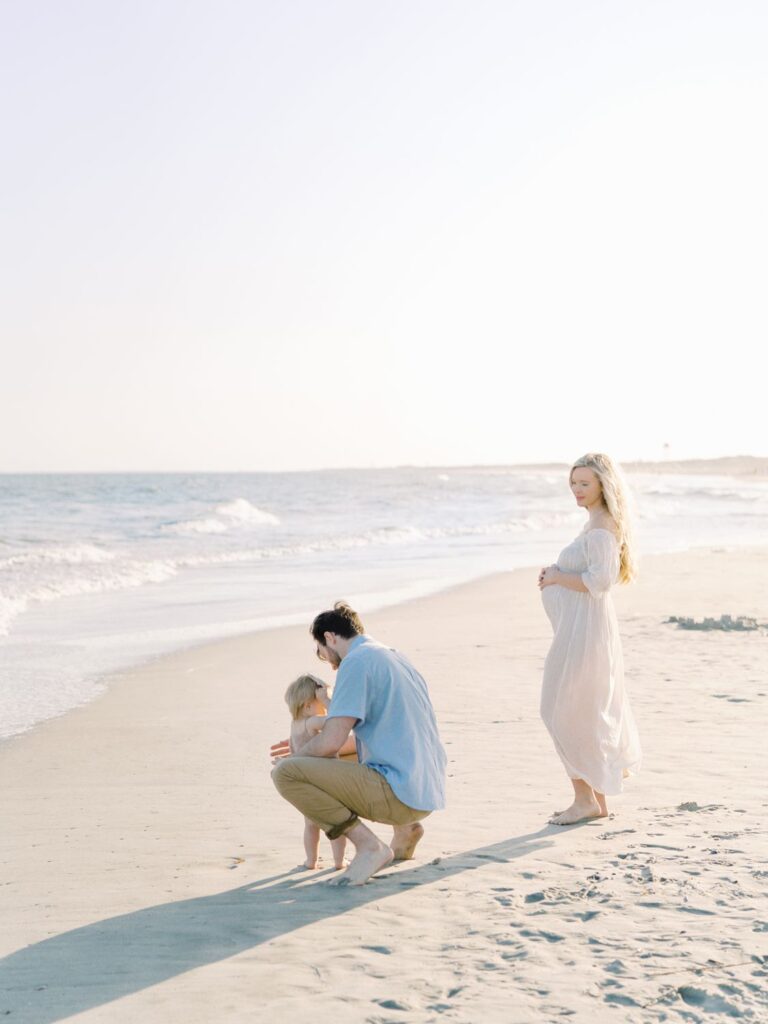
{"x":343,"y":828}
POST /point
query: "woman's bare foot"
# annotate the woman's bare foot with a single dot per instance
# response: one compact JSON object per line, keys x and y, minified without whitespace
{"x":587,"y":803}
{"x":580,"y":810}
{"x":601,"y":801}
{"x":405,"y":839}
{"x":371,"y":855}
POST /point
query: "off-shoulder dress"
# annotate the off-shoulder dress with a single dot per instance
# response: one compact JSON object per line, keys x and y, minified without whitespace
{"x":584,"y":703}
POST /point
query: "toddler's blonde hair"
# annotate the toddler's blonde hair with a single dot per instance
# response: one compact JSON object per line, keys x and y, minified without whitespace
{"x":299,"y":692}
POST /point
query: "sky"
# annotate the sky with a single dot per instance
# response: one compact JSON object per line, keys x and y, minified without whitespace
{"x":293,"y":234}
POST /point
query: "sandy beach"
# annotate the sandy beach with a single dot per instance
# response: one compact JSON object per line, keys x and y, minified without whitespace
{"x":147,"y":862}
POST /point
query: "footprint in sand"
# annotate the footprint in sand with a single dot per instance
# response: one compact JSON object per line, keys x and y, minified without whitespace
{"x":619,"y":1000}
{"x":535,"y":935}
{"x":392,"y":1004}
{"x":616,"y":832}
{"x":710,"y":1002}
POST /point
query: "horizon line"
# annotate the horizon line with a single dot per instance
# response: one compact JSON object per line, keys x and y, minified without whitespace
{"x":655,"y":463}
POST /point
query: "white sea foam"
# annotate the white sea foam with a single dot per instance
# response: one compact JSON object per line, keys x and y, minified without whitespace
{"x":242,"y":511}
{"x":229,"y":515}
{"x":10,"y":607}
{"x":108,"y":574}
{"x":68,"y":554}
{"x":380,"y":537}
{"x":197,"y":526}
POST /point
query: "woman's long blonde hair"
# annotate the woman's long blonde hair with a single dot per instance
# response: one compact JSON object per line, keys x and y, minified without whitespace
{"x":616,"y":499}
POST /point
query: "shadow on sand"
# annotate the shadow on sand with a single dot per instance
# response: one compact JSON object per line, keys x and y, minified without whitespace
{"x":100,"y":962}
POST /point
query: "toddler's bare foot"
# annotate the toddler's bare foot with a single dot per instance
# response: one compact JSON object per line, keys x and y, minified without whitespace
{"x":343,"y":864}
{"x":309,"y":864}
{"x":405,"y":839}
{"x":580,"y":810}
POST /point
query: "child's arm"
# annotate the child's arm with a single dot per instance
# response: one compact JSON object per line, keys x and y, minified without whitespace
{"x":315,"y":725}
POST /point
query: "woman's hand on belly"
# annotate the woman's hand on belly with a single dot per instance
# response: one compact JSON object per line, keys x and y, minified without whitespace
{"x":548,"y":577}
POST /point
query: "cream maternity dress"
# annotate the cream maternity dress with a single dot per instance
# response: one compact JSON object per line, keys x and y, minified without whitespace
{"x":583,"y":701}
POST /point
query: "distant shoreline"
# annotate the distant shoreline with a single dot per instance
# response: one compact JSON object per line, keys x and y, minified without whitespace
{"x":726,"y":465}
{"x":729,"y":465}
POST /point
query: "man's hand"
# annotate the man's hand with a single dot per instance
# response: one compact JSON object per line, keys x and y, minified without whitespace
{"x":280,"y":750}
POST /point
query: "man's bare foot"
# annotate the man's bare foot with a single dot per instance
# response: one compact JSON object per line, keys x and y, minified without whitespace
{"x":405,"y":838}
{"x":364,"y":865}
{"x":580,"y":810}
{"x":371,"y":855}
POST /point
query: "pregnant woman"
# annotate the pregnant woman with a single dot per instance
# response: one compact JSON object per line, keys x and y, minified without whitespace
{"x":583,"y":701}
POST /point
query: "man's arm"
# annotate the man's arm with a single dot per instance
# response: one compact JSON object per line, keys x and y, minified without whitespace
{"x":329,"y":740}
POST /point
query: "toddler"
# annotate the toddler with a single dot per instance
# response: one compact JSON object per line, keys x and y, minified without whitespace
{"x":307,"y":699}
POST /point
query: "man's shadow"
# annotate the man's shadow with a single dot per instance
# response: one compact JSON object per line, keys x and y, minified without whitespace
{"x":100,"y":962}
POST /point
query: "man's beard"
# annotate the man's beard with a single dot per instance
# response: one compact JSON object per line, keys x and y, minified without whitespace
{"x":333,"y":659}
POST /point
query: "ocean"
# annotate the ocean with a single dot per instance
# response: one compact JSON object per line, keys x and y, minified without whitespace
{"x":100,"y":572}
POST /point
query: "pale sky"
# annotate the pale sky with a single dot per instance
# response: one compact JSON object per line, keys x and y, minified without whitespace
{"x":244,"y":235}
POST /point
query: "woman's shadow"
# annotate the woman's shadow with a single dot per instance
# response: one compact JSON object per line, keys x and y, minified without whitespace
{"x":100,"y":962}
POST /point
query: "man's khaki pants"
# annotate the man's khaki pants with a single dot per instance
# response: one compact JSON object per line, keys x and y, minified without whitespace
{"x":334,"y":793}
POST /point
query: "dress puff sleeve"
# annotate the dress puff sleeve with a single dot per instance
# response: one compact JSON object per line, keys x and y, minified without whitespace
{"x":602,"y":562}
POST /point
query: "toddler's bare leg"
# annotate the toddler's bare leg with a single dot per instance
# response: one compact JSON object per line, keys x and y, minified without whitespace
{"x":311,"y":843}
{"x":338,"y":846}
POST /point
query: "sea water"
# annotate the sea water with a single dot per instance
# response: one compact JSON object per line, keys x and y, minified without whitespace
{"x":100,"y":572}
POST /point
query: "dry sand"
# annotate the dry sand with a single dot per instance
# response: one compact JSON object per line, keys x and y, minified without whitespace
{"x":146,"y":859}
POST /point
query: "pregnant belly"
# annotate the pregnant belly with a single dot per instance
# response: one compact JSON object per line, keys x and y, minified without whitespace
{"x":551,"y":599}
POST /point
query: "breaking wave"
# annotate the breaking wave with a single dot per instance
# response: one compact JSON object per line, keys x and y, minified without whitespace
{"x":232,"y":514}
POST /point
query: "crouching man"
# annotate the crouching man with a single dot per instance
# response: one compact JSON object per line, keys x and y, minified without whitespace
{"x":400,"y":777}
